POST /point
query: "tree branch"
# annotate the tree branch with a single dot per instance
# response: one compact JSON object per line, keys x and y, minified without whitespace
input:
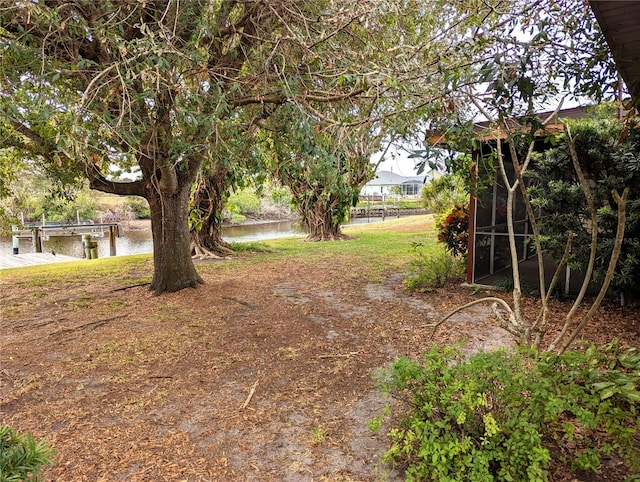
{"x":492,"y":299}
{"x":622,"y":206}
{"x":98,"y":182}
{"x":594,"y":237}
{"x":38,"y":143}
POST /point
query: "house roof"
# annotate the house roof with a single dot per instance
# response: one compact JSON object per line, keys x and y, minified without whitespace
{"x":487,"y":130}
{"x":619,"y":21}
{"x":388,"y":178}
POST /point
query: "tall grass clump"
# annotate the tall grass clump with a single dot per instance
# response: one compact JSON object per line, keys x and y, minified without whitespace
{"x":432,"y":268}
{"x":21,"y":457}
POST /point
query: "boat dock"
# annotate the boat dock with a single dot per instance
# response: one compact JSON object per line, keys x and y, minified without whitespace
{"x":33,"y":259}
{"x":37,"y":232}
{"x":374,"y":212}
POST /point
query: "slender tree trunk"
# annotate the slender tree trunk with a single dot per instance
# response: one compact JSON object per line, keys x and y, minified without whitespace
{"x":173,"y":267}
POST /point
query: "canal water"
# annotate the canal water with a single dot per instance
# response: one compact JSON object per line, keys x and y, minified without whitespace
{"x":137,"y":241}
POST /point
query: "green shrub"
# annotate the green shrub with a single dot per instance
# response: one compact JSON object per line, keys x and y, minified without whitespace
{"x":443,"y":192}
{"x":408,"y":204}
{"x":237,"y":218}
{"x":431,"y":269}
{"x":609,"y":155}
{"x":139,"y":206}
{"x":453,"y":230}
{"x":21,"y":458}
{"x":281,"y":196}
{"x":503,"y":416}
{"x":61,"y":209}
{"x":244,"y":201}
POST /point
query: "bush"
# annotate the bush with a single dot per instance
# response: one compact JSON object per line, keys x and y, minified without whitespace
{"x":21,"y":458}
{"x":281,"y":196}
{"x":139,"y":206}
{"x":503,"y":416}
{"x":408,"y":204}
{"x":67,"y":210}
{"x":453,"y":231}
{"x":237,"y":218}
{"x":431,"y":270}
{"x":443,"y":192}
{"x":244,"y":202}
{"x":609,"y":155}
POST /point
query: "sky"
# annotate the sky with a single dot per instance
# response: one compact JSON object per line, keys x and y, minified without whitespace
{"x":397,"y":162}
{"x":401,"y":164}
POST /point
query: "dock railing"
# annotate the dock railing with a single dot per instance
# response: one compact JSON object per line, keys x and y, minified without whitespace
{"x":42,"y":231}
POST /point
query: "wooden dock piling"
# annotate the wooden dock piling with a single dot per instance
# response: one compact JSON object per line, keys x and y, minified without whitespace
{"x":112,"y":240}
{"x":37,"y":240}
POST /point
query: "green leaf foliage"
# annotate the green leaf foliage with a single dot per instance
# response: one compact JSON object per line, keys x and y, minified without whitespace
{"x":323,"y":168}
{"x":444,"y":192}
{"x":505,"y":416}
{"x":432,"y":268}
{"x":609,"y":156}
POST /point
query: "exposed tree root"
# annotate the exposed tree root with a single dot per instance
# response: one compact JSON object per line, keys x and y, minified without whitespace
{"x":92,"y":325}
{"x":200,"y":252}
{"x":159,"y":288}
{"x":131,"y":286}
{"x":313,"y":238}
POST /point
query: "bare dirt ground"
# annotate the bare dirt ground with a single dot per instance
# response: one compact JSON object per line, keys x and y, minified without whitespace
{"x":264,"y":373}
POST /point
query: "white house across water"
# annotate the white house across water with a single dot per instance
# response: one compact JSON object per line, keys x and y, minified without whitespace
{"x":382,"y":185}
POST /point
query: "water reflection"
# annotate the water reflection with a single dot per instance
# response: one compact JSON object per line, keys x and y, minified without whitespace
{"x":258,"y":232}
{"x":139,"y":241}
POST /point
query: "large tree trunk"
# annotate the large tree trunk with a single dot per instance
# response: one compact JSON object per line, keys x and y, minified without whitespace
{"x":173,"y":267}
{"x":166,"y":184}
{"x":208,"y":241}
{"x":208,"y":202}
{"x":320,"y":224}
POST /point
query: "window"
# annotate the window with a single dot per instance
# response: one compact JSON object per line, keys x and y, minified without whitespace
{"x":411,"y":188}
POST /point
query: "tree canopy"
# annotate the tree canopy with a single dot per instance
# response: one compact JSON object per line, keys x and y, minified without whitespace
{"x":164,"y":87}
{"x":324,"y":168}
{"x":89,"y":86}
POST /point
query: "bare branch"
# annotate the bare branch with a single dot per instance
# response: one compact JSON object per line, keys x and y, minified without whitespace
{"x":511,"y":327}
{"x":594,"y":237}
{"x":622,"y":206}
